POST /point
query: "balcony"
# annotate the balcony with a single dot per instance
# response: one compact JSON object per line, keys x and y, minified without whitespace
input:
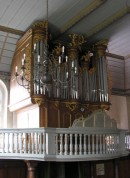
{"x":95,"y":137}
{"x":63,"y":144}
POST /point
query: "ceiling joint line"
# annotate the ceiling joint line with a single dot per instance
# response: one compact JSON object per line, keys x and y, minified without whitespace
{"x":3,"y":46}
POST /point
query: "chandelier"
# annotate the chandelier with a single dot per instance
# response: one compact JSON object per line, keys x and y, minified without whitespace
{"x":66,"y":72}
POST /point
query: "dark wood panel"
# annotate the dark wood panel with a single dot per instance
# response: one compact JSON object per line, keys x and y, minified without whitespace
{"x":124,"y":167}
{"x":12,"y":168}
{"x":85,"y":169}
{"x":53,"y":118}
{"x":71,"y":170}
{"x":43,"y":117}
{"x":2,"y":173}
{"x":109,"y":169}
{"x":117,"y":168}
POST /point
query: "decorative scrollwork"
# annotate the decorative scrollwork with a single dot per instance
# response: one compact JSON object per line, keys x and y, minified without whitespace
{"x":76,"y":40}
{"x":72,"y":106}
{"x":57,"y":50}
{"x":41,"y":24}
{"x":38,"y":99}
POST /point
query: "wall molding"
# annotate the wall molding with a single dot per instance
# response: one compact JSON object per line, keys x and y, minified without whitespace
{"x":120,"y":92}
{"x":115,"y":56}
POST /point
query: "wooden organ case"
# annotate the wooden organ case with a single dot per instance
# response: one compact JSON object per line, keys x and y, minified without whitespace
{"x":79,"y":83}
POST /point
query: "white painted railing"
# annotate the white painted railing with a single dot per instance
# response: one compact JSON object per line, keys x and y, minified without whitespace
{"x":63,"y":144}
{"x":127,"y":140}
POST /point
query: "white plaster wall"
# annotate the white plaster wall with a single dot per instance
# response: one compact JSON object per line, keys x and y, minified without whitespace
{"x":28,"y":118}
{"x":128,"y":111}
{"x":5,"y":78}
{"x":118,"y":111}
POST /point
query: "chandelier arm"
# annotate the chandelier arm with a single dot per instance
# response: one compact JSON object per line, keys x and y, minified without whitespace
{"x":57,"y":79}
{"x":26,"y":79}
{"x":26,"y":86}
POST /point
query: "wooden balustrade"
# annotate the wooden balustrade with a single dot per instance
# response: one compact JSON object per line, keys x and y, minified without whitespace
{"x":66,"y":144}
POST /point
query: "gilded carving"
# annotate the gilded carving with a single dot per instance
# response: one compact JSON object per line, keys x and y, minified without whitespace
{"x":86,"y":57}
{"x":39,"y":37}
{"x":102,"y":43}
{"x":40,"y":24}
{"x":55,"y":104}
{"x":39,"y":31}
{"x":101,"y":47}
{"x":71,"y":106}
{"x":57,"y":50}
{"x":84,"y":107}
{"x":39,"y":99}
{"x":76,"y":40}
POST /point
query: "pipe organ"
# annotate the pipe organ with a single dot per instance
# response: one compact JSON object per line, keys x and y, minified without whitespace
{"x":65,"y":81}
{"x":71,"y":76}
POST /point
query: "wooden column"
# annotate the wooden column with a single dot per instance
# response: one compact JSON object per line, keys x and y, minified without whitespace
{"x":31,"y":168}
{"x":116,"y":163}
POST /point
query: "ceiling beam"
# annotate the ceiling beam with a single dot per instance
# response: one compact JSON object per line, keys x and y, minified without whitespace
{"x":108,"y":21}
{"x":11,"y":30}
{"x":83,"y":13}
{"x":115,"y":56}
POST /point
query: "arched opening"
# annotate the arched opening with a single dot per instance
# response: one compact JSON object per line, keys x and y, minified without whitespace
{"x":3,"y":104}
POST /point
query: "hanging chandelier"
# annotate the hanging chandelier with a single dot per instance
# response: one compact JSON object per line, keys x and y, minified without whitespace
{"x":66,"y":72}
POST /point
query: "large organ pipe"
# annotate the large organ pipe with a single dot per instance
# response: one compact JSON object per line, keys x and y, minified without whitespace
{"x":105,"y":80}
{"x":86,"y":85}
{"x":102,"y":80}
{"x":102,"y":70}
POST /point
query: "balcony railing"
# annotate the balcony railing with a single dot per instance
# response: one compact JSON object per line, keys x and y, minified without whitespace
{"x":63,"y":144}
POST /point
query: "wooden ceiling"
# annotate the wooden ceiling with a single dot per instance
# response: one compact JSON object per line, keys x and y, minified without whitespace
{"x":96,"y":19}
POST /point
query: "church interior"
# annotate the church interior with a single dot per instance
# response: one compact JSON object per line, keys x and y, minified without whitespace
{"x":64,"y":89}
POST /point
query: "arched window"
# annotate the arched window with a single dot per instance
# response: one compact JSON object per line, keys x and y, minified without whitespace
{"x":3,"y":104}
